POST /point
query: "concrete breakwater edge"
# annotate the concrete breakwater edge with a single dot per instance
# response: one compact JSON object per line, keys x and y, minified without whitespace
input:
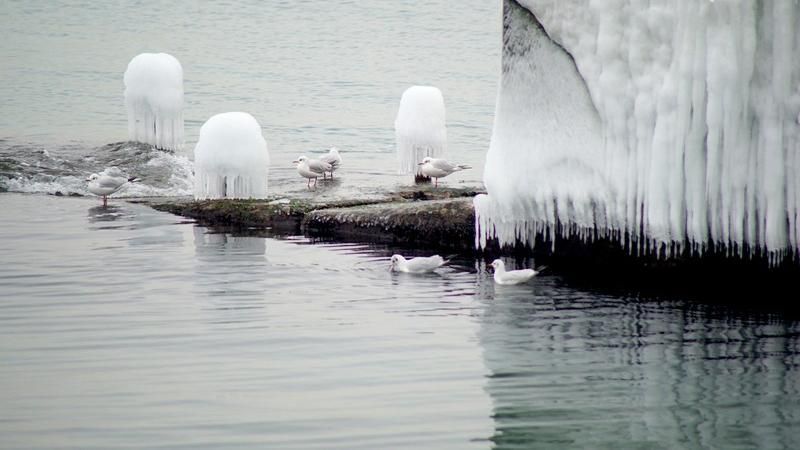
{"x":429,"y":218}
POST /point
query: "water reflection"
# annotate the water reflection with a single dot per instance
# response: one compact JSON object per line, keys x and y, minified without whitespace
{"x":211,"y":244}
{"x":108,"y":213}
{"x":230,"y":272}
{"x":569,"y":369}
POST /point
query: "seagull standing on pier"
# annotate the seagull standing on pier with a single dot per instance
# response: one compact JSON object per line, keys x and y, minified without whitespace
{"x":333,"y":158}
{"x":439,"y":168}
{"x":108,"y":182}
{"x":311,"y":168}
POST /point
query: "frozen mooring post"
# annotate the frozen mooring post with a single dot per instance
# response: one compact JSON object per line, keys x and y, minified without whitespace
{"x":420,"y":129}
{"x":154,"y":100}
{"x":671,"y":131}
{"x":231,"y":159}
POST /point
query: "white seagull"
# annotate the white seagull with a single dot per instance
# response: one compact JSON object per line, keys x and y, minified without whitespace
{"x":420,"y":264}
{"x":439,"y":168}
{"x":501,"y":276}
{"x":107,"y":182}
{"x":333,"y":158}
{"x":311,"y":168}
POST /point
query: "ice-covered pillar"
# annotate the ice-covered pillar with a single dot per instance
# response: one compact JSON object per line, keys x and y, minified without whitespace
{"x":231,"y":159}
{"x":669,"y":128}
{"x":420,"y":128}
{"x":154,"y":100}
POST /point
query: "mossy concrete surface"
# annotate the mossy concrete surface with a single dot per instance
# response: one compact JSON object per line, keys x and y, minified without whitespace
{"x":418,"y":215}
{"x":437,"y":223}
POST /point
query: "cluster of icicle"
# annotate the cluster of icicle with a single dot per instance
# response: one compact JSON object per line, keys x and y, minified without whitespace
{"x":154,"y":100}
{"x":670,"y":127}
{"x":231,"y":159}
{"x":420,"y":128}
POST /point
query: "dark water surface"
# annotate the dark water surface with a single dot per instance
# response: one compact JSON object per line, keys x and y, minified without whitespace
{"x":126,"y":327}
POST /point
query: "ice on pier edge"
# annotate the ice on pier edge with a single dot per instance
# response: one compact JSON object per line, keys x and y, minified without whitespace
{"x":420,"y":129}
{"x":154,"y":100}
{"x":231,"y":159}
{"x":676,"y":125}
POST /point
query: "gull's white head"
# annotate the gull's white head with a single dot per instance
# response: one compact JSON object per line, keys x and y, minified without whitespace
{"x":333,"y":151}
{"x":426,"y":160}
{"x":300,"y":159}
{"x":498,"y":265}
{"x":93,"y":177}
{"x":395,"y":261}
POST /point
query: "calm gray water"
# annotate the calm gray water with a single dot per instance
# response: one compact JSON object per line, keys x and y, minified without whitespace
{"x":125,"y":327}
{"x":128,"y":328}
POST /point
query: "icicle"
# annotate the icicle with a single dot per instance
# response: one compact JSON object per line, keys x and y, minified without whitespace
{"x":676,"y":130}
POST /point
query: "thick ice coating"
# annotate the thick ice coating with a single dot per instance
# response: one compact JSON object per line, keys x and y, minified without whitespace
{"x":420,"y":129}
{"x":231,"y":159}
{"x":154,"y":100}
{"x":673,"y":124}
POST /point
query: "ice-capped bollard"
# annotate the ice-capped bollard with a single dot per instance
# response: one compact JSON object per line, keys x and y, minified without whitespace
{"x":231,"y":159}
{"x":154,"y":100}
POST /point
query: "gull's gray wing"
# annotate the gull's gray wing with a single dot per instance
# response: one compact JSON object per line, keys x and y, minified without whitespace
{"x":333,"y":160}
{"x":519,"y":276}
{"x":106,"y":181}
{"x":424,"y":264}
{"x":318,"y":166}
{"x":443,"y":164}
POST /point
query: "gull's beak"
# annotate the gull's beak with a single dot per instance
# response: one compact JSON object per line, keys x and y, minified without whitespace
{"x":133,"y":179}
{"x":296,"y":161}
{"x":420,"y":163}
{"x":88,"y":179}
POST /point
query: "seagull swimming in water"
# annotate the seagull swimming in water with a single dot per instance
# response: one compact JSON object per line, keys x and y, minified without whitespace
{"x":333,"y":158}
{"x":501,"y":276}
{"x":107,"y":182}
{"x":439,"y":168}
{"x":421,"y":264}
{"x":311,"y":168}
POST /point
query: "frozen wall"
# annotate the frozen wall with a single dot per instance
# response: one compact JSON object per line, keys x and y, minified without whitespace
{"x":664,"y":124}
{"x":154,"y":100}
{"x":231,"y":159}
{"x":420,"y":128}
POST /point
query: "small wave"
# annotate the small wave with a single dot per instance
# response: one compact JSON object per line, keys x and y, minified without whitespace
{"x":30,"y":169}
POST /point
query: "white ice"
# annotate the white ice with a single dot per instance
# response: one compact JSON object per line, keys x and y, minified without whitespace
{"x":231,"y":159}
{"x":420,"y":129}
{"x":679,"y":126}
{"x":154,"y":100}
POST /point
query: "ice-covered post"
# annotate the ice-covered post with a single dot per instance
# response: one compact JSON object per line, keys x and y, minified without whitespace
{"x":154,"y":100}
{"x":231,"y":159}
{"x":420,"y":129}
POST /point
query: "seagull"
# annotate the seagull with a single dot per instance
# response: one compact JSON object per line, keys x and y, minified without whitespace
{"x":333,"y":158}
{"x":107,"y":182}
{"x":439,"y":168}
{"x":311,"y":168}
{"x":420,"y":264}
{"x":512,"y":276}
